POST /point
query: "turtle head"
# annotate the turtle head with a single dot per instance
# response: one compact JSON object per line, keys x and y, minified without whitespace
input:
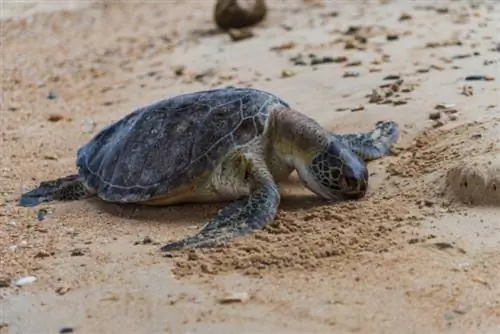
{"x":335,"y":172}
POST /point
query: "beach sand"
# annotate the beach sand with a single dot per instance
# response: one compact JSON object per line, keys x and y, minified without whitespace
{"x":420,"y":253}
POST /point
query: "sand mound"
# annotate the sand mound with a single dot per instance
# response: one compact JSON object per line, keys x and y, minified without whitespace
{"x":475,"y":181}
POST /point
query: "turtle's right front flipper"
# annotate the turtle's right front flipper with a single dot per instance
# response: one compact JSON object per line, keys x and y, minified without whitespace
{"x":241,"y":217}
{"x":68,"y":188}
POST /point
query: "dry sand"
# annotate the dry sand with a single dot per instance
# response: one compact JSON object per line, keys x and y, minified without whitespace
{"x":419,"y":254}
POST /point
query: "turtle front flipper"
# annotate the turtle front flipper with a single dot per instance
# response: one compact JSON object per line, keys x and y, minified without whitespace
{"x":374,"y":144}
{"x":68,"y":188}
{"x":242,"y":216}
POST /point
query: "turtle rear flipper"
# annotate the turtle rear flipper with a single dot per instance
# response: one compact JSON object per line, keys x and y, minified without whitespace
{"x":68,"y":188}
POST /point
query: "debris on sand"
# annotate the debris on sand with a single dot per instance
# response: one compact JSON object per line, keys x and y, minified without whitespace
{"x":26,"y":280}
{"x":479,"y":78}
{"x":240,"y":34}
{"x":237,"y":297}
{"x":239,"y":14}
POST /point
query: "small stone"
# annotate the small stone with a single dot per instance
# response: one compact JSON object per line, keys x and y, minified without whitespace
{"x":55,"y":117}
{"x":442,"y":245}
{"x":52,"y":95}
{"x":479,"y":77}
{"x":284,"y":46}
{"x":438,"y":124}
{"x":392,"y":77}
{"x":358,"y":108}
{"x":322,"y":60}
{"x":26,"y":280}
{"x":349,"y":45}
{"x":239,"y":14}
{"x":66,"y":330}
{"x":41,"y":255}
{"x":405,"y":17}
{"x":467,"y":90}
{"x":179,"y":70}
{"x":392,"y":37}
{"x":443,"y":106}
{"x":399,"y":102}
{"x":350,"y":75}
{"x":62,"y":290}
{"x":354,"y":63}
{"x":435,"y":115}
{"x":13,"y":107}
{"x":41,"y":214}
{"x":77,"y":252}
{"x":4,"y":282}
{"x":287,"y":73}
{"x":413,"y":241}
{"x":237,"y":297}
{"x":240,"y":34}
{"x":50,"y":157}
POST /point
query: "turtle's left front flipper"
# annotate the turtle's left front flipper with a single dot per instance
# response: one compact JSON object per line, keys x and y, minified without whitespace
{"x":241,"y":217}
{"x":374,"y":144}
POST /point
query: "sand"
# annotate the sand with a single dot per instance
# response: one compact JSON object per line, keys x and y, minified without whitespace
{"x":419,"y":253}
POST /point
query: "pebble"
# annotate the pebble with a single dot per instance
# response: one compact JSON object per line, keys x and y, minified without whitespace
{"x":180,"y":70}
{"x":399,"y":102}
{"x":41,"y":214}
{"x":26,"y":280}
{"x":62,"y":290}
{"x":284,"y":46}
{"x":147,"y":240}
{"x":392,"y":77}
{"x":237,"y":297}
{"x":4,"y":282}
{"x":435,"y":115}
{"x":240,"y":34}
{"x":55,"y":117}
{"x":479,"y":78}
{"x":287,"y":73}
{"x":444,"y":106}
{"x":322,"y":60}
{"x":350,"y":74}
{"x":358,"y":108}
{"x":52,"y":95}
{"x":13,"y":107}
{"x":392,"y":37}
{"x":77,"y":252}
{"x":354,"y":63}
{"x":231,"y":14}
{"x":405,"y":17}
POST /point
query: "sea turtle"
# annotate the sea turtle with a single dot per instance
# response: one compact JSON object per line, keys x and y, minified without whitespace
{"x":226,"y":144}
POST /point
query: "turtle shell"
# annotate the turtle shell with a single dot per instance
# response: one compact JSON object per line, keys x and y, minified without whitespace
{"x":172,"y":143}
